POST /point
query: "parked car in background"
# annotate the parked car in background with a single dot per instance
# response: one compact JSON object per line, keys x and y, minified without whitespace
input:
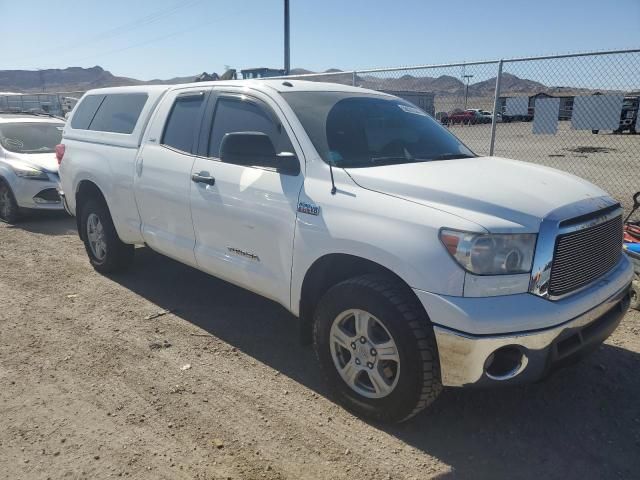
{"x":506,"y":118}
{"x":442,"y":117}
{"x":28,"y":166}
{"x":465,"y":117}
{"x":488,"y":116}
{"x":411,"y":262}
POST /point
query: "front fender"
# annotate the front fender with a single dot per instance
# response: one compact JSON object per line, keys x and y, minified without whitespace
{"x":396,"y":234}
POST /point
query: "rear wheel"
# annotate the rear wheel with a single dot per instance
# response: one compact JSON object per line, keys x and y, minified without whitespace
{"x":9,"y":210}
{"x":635,"y":295}
{"x":107,"y":253}
{"x":377,"y":348}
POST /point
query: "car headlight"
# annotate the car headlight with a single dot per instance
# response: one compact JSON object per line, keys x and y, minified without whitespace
{"x":27,"y":171}
{"x":490,"y":254}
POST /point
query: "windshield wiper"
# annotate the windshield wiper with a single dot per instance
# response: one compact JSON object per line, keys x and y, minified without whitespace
{"x":391,"y":159}
{"x":452,"y":156}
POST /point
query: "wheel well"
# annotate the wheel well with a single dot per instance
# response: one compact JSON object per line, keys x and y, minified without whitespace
{"x":328,"y":271}
{"x":86,"y":190}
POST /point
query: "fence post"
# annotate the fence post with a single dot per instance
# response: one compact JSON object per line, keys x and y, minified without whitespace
{"x":353,"y":79}
{"x":496,"y":101}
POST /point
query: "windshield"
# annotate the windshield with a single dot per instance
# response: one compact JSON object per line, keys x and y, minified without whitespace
{"x":365,"y":130}
{"x":24,"y":137}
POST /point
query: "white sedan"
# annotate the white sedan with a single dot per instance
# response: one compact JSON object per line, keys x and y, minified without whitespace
{"x":28,"y":166}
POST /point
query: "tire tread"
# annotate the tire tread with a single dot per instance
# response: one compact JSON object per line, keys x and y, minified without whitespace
{"x":419,"y":325}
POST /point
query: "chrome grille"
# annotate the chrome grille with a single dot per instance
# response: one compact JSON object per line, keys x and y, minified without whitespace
{"x":582,"y":256}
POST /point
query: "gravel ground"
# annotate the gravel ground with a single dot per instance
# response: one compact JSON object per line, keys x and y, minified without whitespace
{"x":94,"y":384}
{"x":609,"y":161}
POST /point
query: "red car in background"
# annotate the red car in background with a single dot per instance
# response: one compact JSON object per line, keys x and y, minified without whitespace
{"x":466,"y":117}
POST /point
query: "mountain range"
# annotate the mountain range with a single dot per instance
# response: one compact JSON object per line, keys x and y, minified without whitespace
{"x":74,"y":79}
{"x":71,"y":79}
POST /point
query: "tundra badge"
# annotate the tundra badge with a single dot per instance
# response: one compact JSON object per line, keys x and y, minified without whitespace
{"x":309,"y":208}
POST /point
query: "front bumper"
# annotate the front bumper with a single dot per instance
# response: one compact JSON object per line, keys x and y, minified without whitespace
{"x":545,"y":333}
{"x":65,"y":204}
{"x":464,"y":358}
{"x":36,"y":194}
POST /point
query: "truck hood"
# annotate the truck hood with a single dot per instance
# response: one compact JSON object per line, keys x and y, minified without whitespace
{"x":44,"y":161}
{"x":499,"y":194}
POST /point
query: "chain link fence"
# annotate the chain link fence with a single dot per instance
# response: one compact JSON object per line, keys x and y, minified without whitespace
{"x":577,"y":113}
{"x":58,"y":104}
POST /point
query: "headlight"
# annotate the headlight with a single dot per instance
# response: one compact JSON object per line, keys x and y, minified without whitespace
{"x":490,"y":254}
{"x":27,"y":171}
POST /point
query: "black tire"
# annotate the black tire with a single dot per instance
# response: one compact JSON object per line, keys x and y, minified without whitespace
{"x":595,"y":132}
{"x":118,"y":255}
{"x":635,"y":295}
{"x":9,"y":209}
{"x":419,"y":382}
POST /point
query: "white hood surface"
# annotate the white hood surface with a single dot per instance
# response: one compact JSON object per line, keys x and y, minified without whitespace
{"x":499,"y":194}
{"x":45,"y":161}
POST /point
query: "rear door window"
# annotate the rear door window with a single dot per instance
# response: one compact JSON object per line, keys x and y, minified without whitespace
{"x":118,"y":113}
{"x":181,"y":129}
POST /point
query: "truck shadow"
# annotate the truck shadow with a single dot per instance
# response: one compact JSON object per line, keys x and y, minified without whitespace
{"x":47,"y":223}
{"x":584,"y":422}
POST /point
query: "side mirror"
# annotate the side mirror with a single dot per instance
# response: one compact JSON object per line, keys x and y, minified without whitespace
{"x":255,"y":149}
{"x":288,"y":163}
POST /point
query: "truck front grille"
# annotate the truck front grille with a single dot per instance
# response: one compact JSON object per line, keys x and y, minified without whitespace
{"x":582,"y":256}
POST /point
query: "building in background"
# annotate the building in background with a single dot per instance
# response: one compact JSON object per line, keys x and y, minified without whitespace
{"x":38,"y":102}
{"x":564,"y":113}
{"x":423,"y":100}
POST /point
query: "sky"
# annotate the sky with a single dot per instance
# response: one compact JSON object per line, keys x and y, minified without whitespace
{"x":148,"y":39}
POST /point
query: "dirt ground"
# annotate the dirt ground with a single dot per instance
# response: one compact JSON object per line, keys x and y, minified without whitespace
{"x":93,"y":385}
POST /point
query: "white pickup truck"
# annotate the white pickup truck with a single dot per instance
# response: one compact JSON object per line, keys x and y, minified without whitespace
{"x":411,"y":262}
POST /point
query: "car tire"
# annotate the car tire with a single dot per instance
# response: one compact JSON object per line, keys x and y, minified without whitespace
{"x":411,"y":381}
{"x":107,"y":253}
{"x":595,"y":132}
{"x":635,"y":295}
{"x":9,"y":209}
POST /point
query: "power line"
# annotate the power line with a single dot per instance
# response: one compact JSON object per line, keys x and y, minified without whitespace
{"x":147,"y":42}
{"x":119,"y":30}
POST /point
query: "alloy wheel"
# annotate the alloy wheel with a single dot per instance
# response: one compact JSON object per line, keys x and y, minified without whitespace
{"x":96,"y":237}
{"x":364,"y":353}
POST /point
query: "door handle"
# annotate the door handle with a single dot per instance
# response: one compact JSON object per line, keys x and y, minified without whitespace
{"x":199,"y":178}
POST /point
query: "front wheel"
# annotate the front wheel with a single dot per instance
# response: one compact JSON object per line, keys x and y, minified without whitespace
{"x":107,"y":253}
{"x":9,"y":210}
{"x":377,"y":348}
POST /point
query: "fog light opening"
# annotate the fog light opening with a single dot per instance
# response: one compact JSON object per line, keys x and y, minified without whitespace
{"x":505,"y":363}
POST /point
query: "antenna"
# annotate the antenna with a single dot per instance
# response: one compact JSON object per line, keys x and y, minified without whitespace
{"x":333,"y":184}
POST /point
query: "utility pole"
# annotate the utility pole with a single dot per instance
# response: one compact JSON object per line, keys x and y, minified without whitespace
{"x":466,"y":89}
{"x":286,"y":37}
